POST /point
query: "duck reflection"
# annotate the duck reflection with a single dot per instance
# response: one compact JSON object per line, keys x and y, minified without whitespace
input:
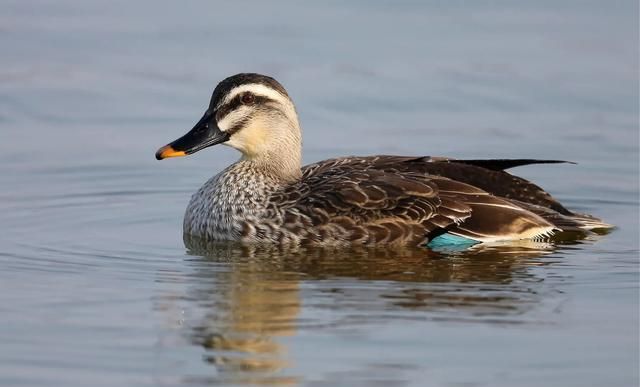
{"x":253,"y":296}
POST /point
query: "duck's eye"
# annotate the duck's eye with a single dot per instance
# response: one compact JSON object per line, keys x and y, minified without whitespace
{"x":247,"y":98}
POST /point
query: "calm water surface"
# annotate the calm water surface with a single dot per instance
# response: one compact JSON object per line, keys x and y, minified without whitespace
{"x":97,"y":286}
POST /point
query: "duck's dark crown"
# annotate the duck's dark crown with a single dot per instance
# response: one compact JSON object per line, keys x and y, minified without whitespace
{"x":234,"y":81}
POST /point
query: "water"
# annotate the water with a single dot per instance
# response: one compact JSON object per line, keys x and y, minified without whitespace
{"x":97,"y":287}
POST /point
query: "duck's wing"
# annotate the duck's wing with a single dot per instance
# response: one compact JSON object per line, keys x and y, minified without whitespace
{"x":488,"y":175}
{"x":332,"y":205}
{"x":380,"y":200}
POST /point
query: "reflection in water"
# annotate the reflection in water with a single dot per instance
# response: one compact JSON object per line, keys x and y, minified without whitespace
{"x":252,"y":296}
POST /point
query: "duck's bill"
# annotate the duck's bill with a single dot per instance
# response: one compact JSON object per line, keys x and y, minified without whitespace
{"x":204,"y":134}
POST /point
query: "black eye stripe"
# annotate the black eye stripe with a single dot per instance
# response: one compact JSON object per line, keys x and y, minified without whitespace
{"x":236,"y":102}
{"x":227,"y":108}
{"x":238,"y":126}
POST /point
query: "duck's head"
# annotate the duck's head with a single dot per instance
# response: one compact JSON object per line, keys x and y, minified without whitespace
{"x":250,"y":112}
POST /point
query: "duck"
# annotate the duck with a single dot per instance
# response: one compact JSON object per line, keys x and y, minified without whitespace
{"x":267,"y":196}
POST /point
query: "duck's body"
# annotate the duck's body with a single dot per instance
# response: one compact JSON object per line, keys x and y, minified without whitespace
{"x":268,"y":197}
{"x":372,"y":201}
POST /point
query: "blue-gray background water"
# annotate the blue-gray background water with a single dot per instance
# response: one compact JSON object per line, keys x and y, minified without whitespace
{"x":98,"y":289}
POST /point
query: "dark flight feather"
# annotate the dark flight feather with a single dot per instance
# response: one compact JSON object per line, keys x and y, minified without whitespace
{"x":502,"y":164}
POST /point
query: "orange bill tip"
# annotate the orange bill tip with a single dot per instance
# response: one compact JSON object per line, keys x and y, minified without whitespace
{"x":167,"y":151}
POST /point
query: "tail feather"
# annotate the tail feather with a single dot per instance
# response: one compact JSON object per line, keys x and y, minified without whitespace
{"x":570,"y":223}
{"x":591,"y":223}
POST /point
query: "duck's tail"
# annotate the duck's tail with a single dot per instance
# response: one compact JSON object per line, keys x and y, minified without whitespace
{"x":591,"y":223}
{"x":568,"y":223}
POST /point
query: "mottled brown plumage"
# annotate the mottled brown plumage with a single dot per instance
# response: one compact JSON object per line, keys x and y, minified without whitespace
{"x":407,"y":200}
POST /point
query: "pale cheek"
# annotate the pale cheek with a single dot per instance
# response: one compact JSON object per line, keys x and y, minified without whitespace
{"x":248,"y":146}
{"x":236,"y":144}
{"x":249,"y":140}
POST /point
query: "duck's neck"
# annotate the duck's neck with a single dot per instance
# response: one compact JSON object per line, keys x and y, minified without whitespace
{"x":280,"y":159}
{"x":281,"y":169}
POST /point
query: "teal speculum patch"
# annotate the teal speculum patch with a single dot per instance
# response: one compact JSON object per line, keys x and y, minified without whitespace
{"x":449,"y":241}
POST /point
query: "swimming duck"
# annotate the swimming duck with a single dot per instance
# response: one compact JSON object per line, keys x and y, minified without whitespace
{"x":268,"y":196}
